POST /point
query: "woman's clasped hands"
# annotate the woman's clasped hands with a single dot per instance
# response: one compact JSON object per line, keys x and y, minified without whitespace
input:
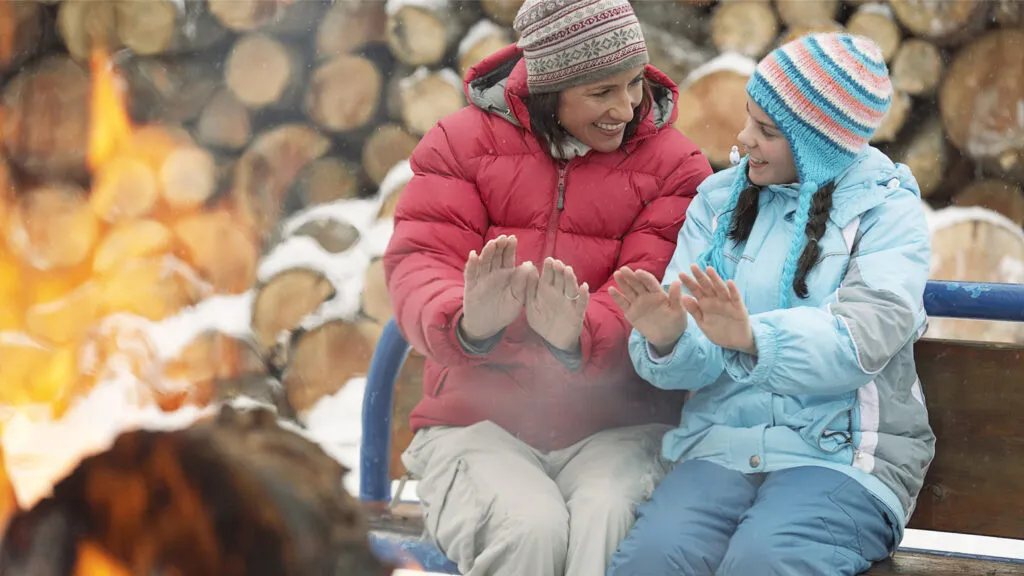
{"x":496,"y":291}
{"x":661,"y":316}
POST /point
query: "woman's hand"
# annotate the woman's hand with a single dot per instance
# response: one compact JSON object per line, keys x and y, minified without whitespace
{"x":495,"y":289}
{"x":658,"y":315}
{"x":718,"y":309}
{"x":556,"y":304}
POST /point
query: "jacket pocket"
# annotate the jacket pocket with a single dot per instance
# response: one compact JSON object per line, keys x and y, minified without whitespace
{"x":828,"y":426}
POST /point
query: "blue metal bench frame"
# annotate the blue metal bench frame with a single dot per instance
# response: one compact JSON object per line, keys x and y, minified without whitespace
{"x":969,"y":300}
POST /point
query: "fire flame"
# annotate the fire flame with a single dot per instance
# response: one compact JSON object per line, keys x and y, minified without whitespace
{"x":109,"y":124}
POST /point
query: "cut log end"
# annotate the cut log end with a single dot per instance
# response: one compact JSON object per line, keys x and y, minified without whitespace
{"x":979,"y":100}
{"x":344,"y":93}
{"x":125,"y":188}
{"x":893,"y":122}
{"x":376,"y":301}
{"x":501,"y":11}
{"x":712,"y":111}
{"x":326,"y":180}
{"x":917,"y":67}
{"x":221,"y":249}
{"x":925,"y":151}
{"x":388,"y":145}
{"x":284,"y":301}
{"x":322,"y":360}
{"x":879,"y":25}
{"x":746,"y":28}
{"x":224,"y":122}
{"x":425,"y":97}
{"x":262,"y":72}
{"x":798,"y":13}
{"x":417,"y":36}
{"x":941,"y":22}
{"x":1006,"y":198}
{"x":349,"y":26}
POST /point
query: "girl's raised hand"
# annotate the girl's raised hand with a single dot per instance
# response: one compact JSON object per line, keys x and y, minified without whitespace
{"x":718,"y":309}
{"x":658,"y":315}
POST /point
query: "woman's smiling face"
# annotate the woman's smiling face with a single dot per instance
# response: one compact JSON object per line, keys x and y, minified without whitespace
{"x":771,"y":159}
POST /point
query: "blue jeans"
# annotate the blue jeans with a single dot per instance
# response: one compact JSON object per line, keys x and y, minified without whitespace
{"x":706,"y":519}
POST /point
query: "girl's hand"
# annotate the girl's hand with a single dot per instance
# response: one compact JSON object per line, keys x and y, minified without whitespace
{"x":718,"y":309}
{"x":658,"y":315}
{"x":556,"y":304}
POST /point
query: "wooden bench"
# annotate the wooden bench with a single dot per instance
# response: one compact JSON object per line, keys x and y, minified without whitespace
{"x":975,"y":398}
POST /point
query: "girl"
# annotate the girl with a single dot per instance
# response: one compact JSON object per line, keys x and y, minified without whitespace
{"x":806,"y":439}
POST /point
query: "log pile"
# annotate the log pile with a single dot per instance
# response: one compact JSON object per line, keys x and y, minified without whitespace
{"x":162,"y":160}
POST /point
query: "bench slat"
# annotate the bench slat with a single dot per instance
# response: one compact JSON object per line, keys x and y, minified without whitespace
{"x":920,"y":564}
{"x":975,"y":398}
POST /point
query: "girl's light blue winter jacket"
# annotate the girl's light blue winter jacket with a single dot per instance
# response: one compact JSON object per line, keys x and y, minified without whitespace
{"x":834,"y":383}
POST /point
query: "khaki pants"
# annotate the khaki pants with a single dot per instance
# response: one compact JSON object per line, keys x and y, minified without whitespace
{"x":498,"y":507}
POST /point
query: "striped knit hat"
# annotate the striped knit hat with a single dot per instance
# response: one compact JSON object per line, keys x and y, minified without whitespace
{"x":571,"y":42}
{"x":827,"y":93}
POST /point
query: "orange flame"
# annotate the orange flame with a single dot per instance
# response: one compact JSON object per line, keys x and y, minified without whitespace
{"x":109,"y":124}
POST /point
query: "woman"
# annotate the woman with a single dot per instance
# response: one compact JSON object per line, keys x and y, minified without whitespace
{"x":535,"y":438}
{"x":806,"y":442}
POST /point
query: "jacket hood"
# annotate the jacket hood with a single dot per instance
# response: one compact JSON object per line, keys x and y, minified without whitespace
{"x":497,"y":85}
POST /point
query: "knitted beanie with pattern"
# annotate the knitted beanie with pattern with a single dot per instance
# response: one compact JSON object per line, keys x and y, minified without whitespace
{"x":570,"y":42}
{"x":827,"y":93}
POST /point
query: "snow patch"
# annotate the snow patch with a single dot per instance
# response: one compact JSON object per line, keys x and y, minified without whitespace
{"x":478,"y":32}
{"x":394,"y":6}
{"x":952,"y":215}
{"x":876,"y":8}
{"x":398,"y":176}
{"x":726,"y":61}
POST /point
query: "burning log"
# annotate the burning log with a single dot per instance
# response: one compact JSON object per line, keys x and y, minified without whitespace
{"x":195,"y":489}
{"x":131,"y":239}
{"x":21,"y":26}
{"x":52,"y":227}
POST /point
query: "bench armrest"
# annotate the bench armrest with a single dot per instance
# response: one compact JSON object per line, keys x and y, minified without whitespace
{"x":378,"y":403}
{"x":976,"y":300}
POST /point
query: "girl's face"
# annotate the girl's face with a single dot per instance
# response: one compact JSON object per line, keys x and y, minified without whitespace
{"x":597,"y":113}
{"x":771,"y":160}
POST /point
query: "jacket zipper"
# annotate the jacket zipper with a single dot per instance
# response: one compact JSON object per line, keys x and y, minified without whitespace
{"x":549,"y":241}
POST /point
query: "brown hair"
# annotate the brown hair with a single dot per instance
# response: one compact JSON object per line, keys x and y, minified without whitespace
{"x":543,"y":109}
{"x":821,"y":204}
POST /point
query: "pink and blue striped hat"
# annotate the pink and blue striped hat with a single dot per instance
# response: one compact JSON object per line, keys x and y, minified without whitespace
{"x":827,"y":93}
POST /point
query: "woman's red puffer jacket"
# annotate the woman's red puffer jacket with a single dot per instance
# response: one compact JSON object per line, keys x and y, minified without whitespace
{"x":480,"y":173}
